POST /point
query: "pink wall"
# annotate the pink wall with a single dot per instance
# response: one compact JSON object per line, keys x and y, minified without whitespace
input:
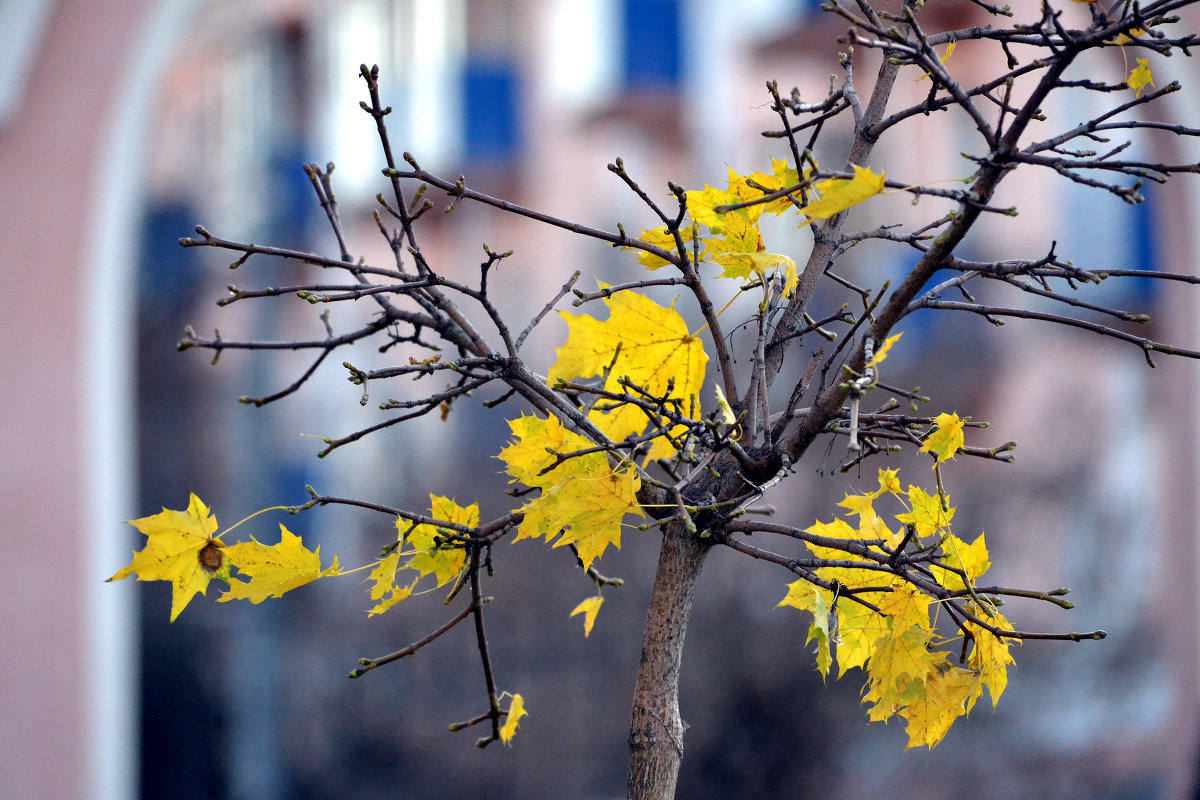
{"x":49,"y":156}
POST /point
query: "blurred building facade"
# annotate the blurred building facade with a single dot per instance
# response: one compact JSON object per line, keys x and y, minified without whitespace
{"x":125,"y":123}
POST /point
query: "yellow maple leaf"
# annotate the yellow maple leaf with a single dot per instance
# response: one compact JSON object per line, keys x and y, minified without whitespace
{"x":906,"y":652}
{"x":742,"y":265}
{"x":274,"y":569}
{"x":898,"y":669}
{"x":589,"y":608}
{"x":180,"y":548}
{"x":528,"y":458}
{"x":702,"y":203}
{"x":837,"y":529}
{"x":870,"y":524}
{"x":819,"y":630}
{"x":656,"y":353}
{"x":927,"y":514}
{"x":583,"y":498}
{"x":888,"y":481}
{"x":782,"y":176}
{"x":944,"y":699}
{"x":516,"y":710}
{"x":858,"y":629}
{"x":592,"y":505}
{"x":806,"y":596}
{"x":971,"y":558}
{"x":946,"y":440}
{"x":801,"y":595}
{"x":860,"y":504}
{"x":991,"y":655}
{"x":839,"y":194}
{"x":1141,"y":76}
{"x":731,"y":247}
{"x":427,"y":557}
{"x":661,"y":237}
{"x":739,"y":250}
{"x":855,"y":578}
{"x":907,"y":606}
{"x":765,"y":265}
{"x":424,"y":551}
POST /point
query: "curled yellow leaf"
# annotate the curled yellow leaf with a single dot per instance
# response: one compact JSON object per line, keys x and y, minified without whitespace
{"x":386,"y":590}
{"x":1141,"y":76}
{"x":944,"y":58}
{"x":516,"y":710}
{"x":881,"y":352}
{"x":589,"y":608}
{"x":725,"y":415}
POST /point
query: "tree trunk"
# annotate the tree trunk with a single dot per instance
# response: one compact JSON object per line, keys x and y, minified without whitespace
{"x":656,"y":731}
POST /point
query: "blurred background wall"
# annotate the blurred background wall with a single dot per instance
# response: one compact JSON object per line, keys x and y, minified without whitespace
{"x":124,"y":123}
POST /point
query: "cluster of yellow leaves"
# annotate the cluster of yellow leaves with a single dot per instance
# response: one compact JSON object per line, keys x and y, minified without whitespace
{"x":645,"y":350}
{"x":898,"y":645}
{"x":1140,"y":76}
{"x":644,"y":344}
{"x":424,"y":551}
{"x":583,"y":498}
{"x":734,"y":241}
{"x":181,"y":547}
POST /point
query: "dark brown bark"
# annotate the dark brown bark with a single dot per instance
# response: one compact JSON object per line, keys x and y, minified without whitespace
{"x":656,"y":731}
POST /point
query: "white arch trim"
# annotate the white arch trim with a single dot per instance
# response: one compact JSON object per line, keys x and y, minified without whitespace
{"x":109,"y":480}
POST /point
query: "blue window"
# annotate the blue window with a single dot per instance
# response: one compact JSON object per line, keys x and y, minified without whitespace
{"x":491,"y":91}
{"x":652,"y":53}
{"x":167,"y":277}
{"x":1146,"y":251}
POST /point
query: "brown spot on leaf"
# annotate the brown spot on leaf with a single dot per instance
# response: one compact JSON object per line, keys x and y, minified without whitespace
{"x":210,"y":556}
